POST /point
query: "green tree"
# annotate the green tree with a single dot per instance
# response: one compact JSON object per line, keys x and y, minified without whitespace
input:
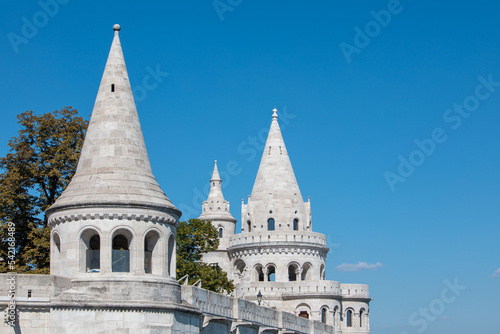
{"x":41,"y":163}
{"x":194,"y":238}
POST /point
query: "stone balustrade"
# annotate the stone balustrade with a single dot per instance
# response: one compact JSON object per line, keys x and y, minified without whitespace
{"x":239,"y":310}
{"x":270,"y":289}
{"x":355,"y":291}
{"x":263,"y":237}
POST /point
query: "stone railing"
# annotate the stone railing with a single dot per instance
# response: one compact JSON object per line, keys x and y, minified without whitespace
{"x":254,"y":313}
{"x":299,"y":288}
{"x":263,"y":237}
{"x":208,"y":302}
{"x":241,"y":311}
{"x":292,"y":322}
{"x":355,"y":291}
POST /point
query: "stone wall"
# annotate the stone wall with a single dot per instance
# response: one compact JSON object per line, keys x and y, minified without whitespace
{"x":210,"y":313}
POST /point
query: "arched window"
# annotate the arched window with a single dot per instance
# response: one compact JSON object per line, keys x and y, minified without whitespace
{"x":271,"y":273}
{"x":322,"y":272}
{"x":270,"y":224}
{"x":295,"y":224}
{"x":90,"y":251}
{"x":57,"y":242}
{"x":152,"y":263}
{"x":249,"y":225}
{"x":361,"y":314}
{"x":349,"y":318}
{"x":121,"y":252}
{"x":306,"y":272}
{"x":221,"y":232}
{"x":323,"y":315}
{"x":171,"y":256}
{"x":239,"y":265}
{"x":292,"y":272}
{"x":259,"y":273}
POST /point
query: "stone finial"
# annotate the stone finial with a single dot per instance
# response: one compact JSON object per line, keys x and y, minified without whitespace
{"x":116,"y":27}
{"x":275,"y":113}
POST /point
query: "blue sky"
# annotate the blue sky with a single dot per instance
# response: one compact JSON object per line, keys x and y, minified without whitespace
{"x":357,"y":102}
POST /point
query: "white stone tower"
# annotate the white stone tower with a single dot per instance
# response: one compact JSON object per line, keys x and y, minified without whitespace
{"x":277,"y":243}
{"x":216,"y":210}
{"x":279,"y":255}
{"x":113,"y":229}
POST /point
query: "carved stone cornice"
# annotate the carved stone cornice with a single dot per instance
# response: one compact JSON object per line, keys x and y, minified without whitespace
{"x":112,"y":213}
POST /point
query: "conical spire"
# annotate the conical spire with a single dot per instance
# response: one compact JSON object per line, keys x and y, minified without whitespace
{"x":276,"y":179}
{"x":216,"y":207}
{"x":114,"y":166}
{"x":215,"y":174}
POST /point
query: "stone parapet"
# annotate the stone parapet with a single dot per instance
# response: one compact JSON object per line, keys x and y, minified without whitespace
{"x":240,"y":312}
{"x":272,"y":237}
{"x":288,"y":290}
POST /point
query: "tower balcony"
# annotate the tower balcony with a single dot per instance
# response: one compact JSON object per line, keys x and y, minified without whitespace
{"x":277,"y":237}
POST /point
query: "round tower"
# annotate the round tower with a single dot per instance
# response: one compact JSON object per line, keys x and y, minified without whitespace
{"x":277,"y":243}
{"x":113,"y":223}
{"x":279,"y":258}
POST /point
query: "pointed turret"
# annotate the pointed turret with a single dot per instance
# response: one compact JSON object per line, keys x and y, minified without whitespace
{"x":216,"y":208}
{"x":276,"y":186}
{"x":114,"y":166}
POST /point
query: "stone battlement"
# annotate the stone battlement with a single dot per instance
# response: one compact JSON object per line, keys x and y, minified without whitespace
{"x":288,"y":237}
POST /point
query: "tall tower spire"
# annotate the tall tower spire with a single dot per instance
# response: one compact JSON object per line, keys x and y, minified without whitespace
{"x":276,"y":184}
{"x":114,"y":164}
{"x":113,"y":217}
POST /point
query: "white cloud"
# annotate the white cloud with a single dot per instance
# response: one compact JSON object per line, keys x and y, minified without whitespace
{"x":496,"y":273}
{"x":358,"y":266}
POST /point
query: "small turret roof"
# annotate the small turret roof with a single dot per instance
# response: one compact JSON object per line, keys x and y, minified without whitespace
{"x":216,"y":207}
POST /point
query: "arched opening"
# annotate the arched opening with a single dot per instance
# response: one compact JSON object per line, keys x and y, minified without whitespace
{"x":361,"y":314}
{"x":295,"y":224}
{"x":303,"y":310}
{"x":259,"y":273}
{"x":271,"y":273}
{"x":306,"y":272}
{"x":239,"y":266}
{"x":292,"y":272}
{"x":270,"y":224}
{"x":349,"y":318}
{"x":249,"y":226}
{"x":322,"y":272}
{"x":152,"y":262}
{"x":57,"y":243}
{"x":221,"y":232}
{"x":90,"y":246}
{"x":120,"y":253}
{"x":323,"y":315}
{"x":171,"y":265}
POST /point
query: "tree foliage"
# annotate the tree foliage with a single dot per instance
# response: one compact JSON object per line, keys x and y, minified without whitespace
{"x":194,"y":238}
{"x":41,"y":163}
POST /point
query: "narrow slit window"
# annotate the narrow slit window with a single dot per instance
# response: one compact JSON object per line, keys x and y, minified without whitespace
{"x":112,"y":88}
{"x":269,"y":150}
